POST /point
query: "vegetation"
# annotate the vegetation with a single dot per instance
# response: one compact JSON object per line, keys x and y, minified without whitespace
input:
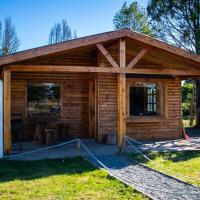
{"x":72,"y":178}
{"x":179,"y":24}
{"x":133,"y":17}
{"x":61,"y":32}
{"x":9,"y":42}
{"x":187,"y":88}
{"x":185,"y":163}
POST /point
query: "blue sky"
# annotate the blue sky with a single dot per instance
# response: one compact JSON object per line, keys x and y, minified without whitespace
{"x":34,"y":18}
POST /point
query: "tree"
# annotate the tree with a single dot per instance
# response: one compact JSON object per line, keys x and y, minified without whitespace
{"x":61,"y":32}
{"x":9,"y":42}
{"x":133,"y":17}
{"x":179,"y":23}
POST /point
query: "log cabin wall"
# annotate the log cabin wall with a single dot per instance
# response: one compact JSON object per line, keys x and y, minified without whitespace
{"x":74,"y":97}
{"x":75,"y":89}
{"x":107,"y":104}
{"x":168,"y":126}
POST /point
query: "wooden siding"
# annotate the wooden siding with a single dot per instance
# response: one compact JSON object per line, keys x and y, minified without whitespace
{"x":169,"y":126}
{"x":107,"y":104}
{"x":74,"y":99}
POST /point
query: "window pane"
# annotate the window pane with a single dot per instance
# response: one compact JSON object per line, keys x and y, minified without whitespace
{"x":143,"y":99}
{"x":43,"y":99}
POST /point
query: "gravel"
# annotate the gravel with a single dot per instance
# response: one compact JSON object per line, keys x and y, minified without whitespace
{"x":152,"y":183}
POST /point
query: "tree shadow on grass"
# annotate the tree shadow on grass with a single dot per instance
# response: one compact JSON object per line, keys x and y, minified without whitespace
{"x":29,"y":170}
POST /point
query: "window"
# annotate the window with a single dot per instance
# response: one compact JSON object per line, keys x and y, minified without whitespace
{"x":43,"y":99}
{"x":144,"y":99}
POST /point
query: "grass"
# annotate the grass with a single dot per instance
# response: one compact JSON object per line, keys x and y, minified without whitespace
{"x":186,"y":163}
{"x":59,"y":179}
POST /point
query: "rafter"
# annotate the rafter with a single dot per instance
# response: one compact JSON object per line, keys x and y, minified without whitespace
{"x":108,"y":57}
{"x":93,"y":69}
{"x":137,"y":58}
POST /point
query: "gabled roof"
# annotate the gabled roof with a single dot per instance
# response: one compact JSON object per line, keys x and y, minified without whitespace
{"x":94,"y":39}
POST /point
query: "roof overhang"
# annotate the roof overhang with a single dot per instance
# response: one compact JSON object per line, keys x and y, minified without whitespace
{"x":95,"y":39}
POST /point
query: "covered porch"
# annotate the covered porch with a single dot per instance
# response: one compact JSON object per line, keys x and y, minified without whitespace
{"x":98,"y":81}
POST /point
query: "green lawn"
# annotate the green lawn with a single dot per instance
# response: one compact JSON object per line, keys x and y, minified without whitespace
{"x":186,"y":163}
{"x":59,"y":179}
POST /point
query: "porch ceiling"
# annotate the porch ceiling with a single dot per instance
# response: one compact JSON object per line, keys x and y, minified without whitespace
{"x":84,"y":52}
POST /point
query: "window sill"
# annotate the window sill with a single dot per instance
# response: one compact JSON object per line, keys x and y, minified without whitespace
{"x":145,"y":119}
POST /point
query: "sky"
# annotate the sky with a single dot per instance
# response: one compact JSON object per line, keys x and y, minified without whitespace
{"x":33,"y":19}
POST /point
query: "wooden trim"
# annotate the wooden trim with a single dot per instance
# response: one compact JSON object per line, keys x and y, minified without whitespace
{"x":7,"y":110}
{"x":95,"y":39}
{"x":34,"y":81}
{"x":89,"y":69}
{"x":137,"y":58}
{"x":122,"y":96}
{"x":166,"y":100}
{"x":108,"y":57}
{"x":145,"y":119}
{"x":91,"y":104}
{"x":122,"y":52}
{"x":162,"y":101}
{"x":61,"y":99}
{"x":150,"y":41}
{"x":97,"y":132}
{"x":64,"y":46}
{"x":121,"y":109}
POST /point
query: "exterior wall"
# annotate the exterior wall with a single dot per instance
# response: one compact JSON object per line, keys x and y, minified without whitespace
{"x":168,"y":126}
{"x":165,"y":127}
{"x":74,"y":97}
{"x":107,"y":104}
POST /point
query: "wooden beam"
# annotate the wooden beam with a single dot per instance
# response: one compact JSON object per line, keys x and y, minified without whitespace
{"x":122,"y":96}
{"x":97,"y":120}
{"x":108,"y":57}
{"x":7,"y":110}
{"x":163,"y":45}
{"x":91,"y":69}
{"x":122,"y":52}
{"x":121,"y":109}
{"x":63,"y":46}
{"x":137,"y":58}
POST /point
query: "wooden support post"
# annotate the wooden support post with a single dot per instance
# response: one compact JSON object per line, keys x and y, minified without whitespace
{"x":7,"y":110}
{"x":97,"y":108}
{"x":122,"y":97}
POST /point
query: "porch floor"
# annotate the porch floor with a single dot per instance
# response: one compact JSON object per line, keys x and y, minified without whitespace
{"x":70,"y":150}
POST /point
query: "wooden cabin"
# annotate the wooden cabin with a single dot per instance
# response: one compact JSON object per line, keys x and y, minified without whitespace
{"x":115,"y":83}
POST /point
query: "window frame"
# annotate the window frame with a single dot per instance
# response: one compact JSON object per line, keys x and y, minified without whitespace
{"x":162,"y":101}
{"x":41,"y":82}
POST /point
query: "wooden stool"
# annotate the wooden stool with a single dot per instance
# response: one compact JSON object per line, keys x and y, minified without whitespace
{"x":49,"y":133}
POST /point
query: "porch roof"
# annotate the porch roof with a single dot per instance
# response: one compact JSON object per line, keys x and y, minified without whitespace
{"x":160,"y":55}
{"x":94,"y":39}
